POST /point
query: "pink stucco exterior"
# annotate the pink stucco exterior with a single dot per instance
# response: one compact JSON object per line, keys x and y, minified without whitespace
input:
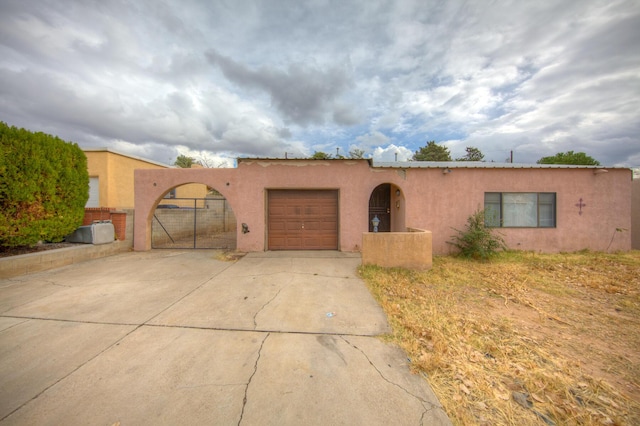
{"x":429,"y":199}
{"x":635,"y":214}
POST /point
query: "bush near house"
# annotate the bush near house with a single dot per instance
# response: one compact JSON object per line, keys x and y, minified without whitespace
{"x":44,"y":186}
{"x":477,"y":241}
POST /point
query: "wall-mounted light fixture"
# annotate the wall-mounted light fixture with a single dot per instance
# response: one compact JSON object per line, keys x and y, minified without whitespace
{"x":600,"y":171}
{"x":446,"y":171}
{"x":245,"y":228}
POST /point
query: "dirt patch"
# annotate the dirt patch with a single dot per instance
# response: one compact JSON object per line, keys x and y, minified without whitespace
{"x":229,"y":256}
{"x":15,"y":251}
{"x":587,"y":328}
{"x":524,"y":339}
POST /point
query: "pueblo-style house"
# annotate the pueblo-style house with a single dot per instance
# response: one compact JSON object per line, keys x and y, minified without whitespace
{"x":296,"y":204}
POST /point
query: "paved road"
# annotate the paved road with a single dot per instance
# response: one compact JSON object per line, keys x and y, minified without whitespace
{"x":178,"y":337}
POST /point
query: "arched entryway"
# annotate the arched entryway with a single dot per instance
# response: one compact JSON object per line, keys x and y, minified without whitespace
{"x":387,"y":204}
{"x":193,"y":216}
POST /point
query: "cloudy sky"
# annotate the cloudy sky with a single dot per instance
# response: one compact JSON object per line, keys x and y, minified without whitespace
{"x":220,"y":79}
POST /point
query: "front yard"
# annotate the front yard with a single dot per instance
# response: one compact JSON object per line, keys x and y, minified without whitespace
{"x":527,"y":339}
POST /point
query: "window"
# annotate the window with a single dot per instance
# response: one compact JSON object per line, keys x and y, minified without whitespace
{"x":520,"y":209}
{"x":94,"y":192}
{"x":170,"y":194}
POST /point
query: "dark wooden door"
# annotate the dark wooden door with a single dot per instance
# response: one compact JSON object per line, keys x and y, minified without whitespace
{"x":380,"y":205}
{"x":303,"y":220}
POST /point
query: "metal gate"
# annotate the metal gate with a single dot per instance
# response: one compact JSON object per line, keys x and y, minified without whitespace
{"x":190,"y":223}
{"x":380,"y":207}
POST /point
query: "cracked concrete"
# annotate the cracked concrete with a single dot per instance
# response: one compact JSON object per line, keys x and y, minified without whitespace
{"x":178,"y":337}
{"x":255,"y":316}
{"x":255,"y":369}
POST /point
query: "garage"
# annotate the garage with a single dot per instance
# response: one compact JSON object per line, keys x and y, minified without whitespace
{"x":302,"y":219}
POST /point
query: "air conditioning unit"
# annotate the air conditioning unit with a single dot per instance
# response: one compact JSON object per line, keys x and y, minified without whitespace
{"x":101,"y":232}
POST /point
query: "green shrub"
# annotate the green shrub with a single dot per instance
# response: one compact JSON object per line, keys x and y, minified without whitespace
{"x":477,"y":241}
{"x":44,"y":186}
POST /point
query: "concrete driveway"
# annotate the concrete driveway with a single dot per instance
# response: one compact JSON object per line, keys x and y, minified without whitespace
{"x":178,"y":337}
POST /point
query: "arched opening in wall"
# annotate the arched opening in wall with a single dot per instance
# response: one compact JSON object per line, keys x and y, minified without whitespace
{"x":193,"y":216}
{"x":387,"y":206}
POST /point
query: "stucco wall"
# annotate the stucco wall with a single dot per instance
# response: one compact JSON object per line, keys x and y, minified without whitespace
{"x":429,"y":199}
{"x":410,"y":249}
{"x":191,"y":190}
{"x":446,"y":201}
{"x":635,"y":215}
{"x":98,"y":166}
{"x":115,"y":174}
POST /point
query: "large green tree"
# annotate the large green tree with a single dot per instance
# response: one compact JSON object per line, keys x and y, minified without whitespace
{"x":44,"y":186}
{"x":473,"y":154}
{"x":319,"y":155}
{"x":432,"y":152}
{"x":356,"y":153}
{"x":185,"y":161}
{"x":570,"y":157}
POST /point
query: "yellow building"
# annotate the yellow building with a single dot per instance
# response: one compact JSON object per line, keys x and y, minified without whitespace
{"x":190,"y":195}
{"x":111,"y":179}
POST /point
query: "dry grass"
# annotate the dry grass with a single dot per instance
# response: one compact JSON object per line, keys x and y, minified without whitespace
{"x":229,"y":256}
{"x":525,"y":339}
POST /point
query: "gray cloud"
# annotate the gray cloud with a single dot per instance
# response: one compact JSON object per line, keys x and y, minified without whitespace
{"x":263,"y":78}
{"x":304,"y":94}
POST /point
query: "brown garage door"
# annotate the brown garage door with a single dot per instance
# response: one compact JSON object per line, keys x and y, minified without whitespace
{"x":303,"y":220}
